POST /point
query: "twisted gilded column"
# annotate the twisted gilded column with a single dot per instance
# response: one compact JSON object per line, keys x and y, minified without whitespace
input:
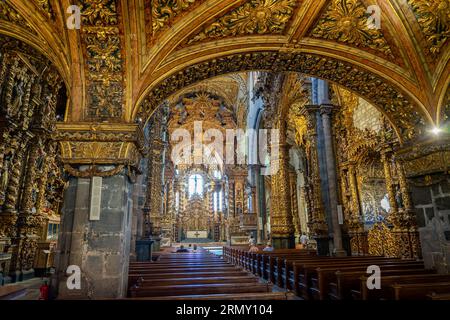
{"x":281,"y":226}
{"x":406,"y":225}
{"x":358,"y":240}
{"x":12,"y":191}
{"x":403,"y":229}
{"x":294,"y":202}
{"x":317,"y":223}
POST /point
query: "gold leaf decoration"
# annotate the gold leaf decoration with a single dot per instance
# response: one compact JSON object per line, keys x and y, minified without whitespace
{"x":163,"y":11}
{"x":347,"y":21}
{"x":102,"y":46}
{"x":434,"y":19}
{"x":255,"y":17}
{"x":99,"y":12}
{"x":9,"y":14}
{"x":46,"y":7}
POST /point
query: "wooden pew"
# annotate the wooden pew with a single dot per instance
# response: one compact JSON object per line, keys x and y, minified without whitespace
{"x":386,"y":291}
{"x":142,"y":282}
{"x":438,"y":296}
{"x":305,"y":270}
{"x":233,"y":296}
{"x":291,"y":267}
{"x":178,"y":290}
{"x":133,"y":277}
{"x":270,"y":262}
{"x":324,"y":275}
{"x":174,"y":268}
{"x":181,"y":265}
{"x":347,"y":281}
{"x":419,"y":291}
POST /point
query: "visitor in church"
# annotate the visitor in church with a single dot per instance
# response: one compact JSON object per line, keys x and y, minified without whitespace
{"x":253,"y":248}
{"x":182,"y":249}
{"x":304,"y":240}
{"x":268,"y":247}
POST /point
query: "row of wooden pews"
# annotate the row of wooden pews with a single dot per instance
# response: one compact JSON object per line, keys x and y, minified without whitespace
{"x":196,"y":276}
{"x":312,"y":277}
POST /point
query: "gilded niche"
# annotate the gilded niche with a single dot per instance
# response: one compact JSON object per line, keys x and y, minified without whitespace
{"x":255,"y":17}
{"x":433,"y":17}
{"x":347,"y":21}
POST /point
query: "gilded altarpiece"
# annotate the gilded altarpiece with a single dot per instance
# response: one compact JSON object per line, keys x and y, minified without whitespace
{"x":374,"y":189}
{"x":31,"y":186}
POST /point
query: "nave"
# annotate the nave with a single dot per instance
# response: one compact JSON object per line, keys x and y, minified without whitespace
{"x":197,"y":276}
{"x":288,"y":274}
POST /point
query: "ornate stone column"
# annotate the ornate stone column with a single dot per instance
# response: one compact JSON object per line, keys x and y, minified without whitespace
{"x":97,"y":241}
{"x":325,"y":111}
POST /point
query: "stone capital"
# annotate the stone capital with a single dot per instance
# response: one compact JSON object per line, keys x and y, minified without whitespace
{"x":327,"y":109}
{"x":310,"y":108}
{"x":100,"y":143}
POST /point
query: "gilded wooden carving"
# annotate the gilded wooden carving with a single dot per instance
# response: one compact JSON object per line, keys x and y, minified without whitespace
{"x":254,"y":17}
{"x":346,"y":21}
{"x":434,"y":21}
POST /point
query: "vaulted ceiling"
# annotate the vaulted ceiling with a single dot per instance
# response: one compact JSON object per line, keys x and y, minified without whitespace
{"x":130,"y":55}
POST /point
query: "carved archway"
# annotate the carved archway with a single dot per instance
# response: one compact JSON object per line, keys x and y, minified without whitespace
{"x":403,"y":113}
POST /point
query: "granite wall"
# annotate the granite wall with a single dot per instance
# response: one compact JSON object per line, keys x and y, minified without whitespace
{"x":431,"y":196}
{"x":100,"y":248}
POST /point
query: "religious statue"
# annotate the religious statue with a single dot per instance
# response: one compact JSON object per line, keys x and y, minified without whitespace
{"x":183,"y":115}
{"x":398,"y":197}
{"x":4,"y":180}
{"x":18,"y":92}
{"x":9,"y":155}
{"x":50,"y":105}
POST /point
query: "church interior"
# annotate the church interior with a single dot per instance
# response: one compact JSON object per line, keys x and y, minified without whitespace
{"x":224,"y":149}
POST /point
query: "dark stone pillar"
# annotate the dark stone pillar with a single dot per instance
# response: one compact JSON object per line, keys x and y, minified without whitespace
{"x":100,"y":248}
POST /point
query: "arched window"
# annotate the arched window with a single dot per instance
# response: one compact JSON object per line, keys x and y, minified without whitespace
{"x":217,"y":174}
{"x":177,"y":201}
{"x":218,"y":201}
{"x":195,"y":185}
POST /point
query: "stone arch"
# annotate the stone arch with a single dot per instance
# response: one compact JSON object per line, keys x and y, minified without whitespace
{"x":406,"y":116}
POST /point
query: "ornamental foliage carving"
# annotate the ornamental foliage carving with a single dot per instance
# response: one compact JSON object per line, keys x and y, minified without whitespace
{"x":104,"y":63}
{"x":347,"y":21}
{"x":433,"y":17}
{"x":387,"y":98}
{"x":255,"y":17}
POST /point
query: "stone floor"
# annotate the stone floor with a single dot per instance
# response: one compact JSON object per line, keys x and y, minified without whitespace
{"x":25,"y":290}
